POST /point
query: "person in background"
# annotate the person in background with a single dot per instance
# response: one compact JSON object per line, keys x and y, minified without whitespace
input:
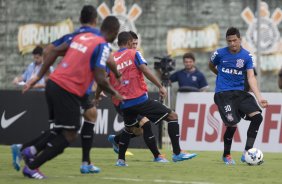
{"x":32,"y":70}
{"x":189,"y":78}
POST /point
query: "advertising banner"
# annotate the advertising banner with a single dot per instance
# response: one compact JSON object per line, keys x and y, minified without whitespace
{"x":201,"y":127}
{"x":25,"y":116}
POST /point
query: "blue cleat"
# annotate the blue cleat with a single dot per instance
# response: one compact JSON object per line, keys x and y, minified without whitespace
{"x":89,"y":168}
{"x":27,"y":155}
{"x":243,"y":160}
{"x":228,"y":160}
{"x":121,"y":163}
{"x":115,"y":145}
{"x":16,"y":156}
{"x":161,"y":159}
{"x":183,"y":156}
{"x":35,"y":174}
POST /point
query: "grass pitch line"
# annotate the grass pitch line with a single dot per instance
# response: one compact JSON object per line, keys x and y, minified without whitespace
{"x":157,"y":181}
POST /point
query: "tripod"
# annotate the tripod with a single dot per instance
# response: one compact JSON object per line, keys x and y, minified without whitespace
{"x":163,"y":129}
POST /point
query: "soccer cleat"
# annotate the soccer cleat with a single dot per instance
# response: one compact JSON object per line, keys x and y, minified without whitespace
{"x":160,"y":159}
{"x":35,"y":174}
{"x":115,"y":145}
{"x":243,"y":157}
{"x":228,"y":160}
{"x":183,"y":156}
{"x":85,"y":169}
{"x":27,"y":155}
{"x":121,"y":163}
{"x":16,"y":156}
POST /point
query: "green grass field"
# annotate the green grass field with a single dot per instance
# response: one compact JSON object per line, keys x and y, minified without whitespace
{"x":207,"y":168}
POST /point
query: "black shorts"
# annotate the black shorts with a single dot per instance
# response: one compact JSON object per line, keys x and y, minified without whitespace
{"x":63,"y":106}
{"x":234,"y":105}
{"x":152,"y":109}
{"x":86,"y":101}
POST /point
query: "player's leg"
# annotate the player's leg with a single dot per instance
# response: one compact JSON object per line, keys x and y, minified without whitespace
{"x":227,"y":103}
{"x":123,"y":145}
{"x":250,"y":107}
{"x":156,"y":112}
{"x":67,"y":121}
{"x":227,"y":139}
{"x":149,"y":138}
{"x":173,"y":132}
{"x":114,"y":139}
{"x":36,"y":144}
{"x":87,"y":137}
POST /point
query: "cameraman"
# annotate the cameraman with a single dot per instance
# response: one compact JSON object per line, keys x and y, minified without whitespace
{"x":189,"y":78}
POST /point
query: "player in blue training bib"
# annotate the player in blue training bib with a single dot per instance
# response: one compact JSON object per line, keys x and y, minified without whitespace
{"x":231,"y":64}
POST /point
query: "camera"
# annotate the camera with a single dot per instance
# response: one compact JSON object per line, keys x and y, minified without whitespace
{"x":164,"y":65}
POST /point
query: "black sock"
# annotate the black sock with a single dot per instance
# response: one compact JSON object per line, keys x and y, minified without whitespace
{"x":253,"y":130}
{"x":228,"y":137}
{"x":173,"y":132}
{"x":117,"y":137}
{"x":87,"y":136}
{"x":150,"y":139}
{"x":53,"y":148}
{"x":41,"y":137}
{"x":123,"y":144}
{"x":45,"y":138}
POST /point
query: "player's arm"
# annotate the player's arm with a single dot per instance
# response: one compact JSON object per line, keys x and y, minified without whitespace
{"x":280,"y":79}
{"x":98,"y":64}
{"x":104,"y":84}
{"x":213,"y":68}
{"x":141,"y":63}
{"x":113,"y":67}
{"x":254,"y":87}
{"x":214,"y":61}
{"x":151,"y":77}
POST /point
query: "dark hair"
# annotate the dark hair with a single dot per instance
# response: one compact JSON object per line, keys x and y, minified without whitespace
{"x":110,"y":28}
{"x":233,"y":31}
{"x":88,"y":14}
{"x":38,"y":50}
{"x":123,"y":38}
{"x":189,"y":55}
{"x":134,"y":35}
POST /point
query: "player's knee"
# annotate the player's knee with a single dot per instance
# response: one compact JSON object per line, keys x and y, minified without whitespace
{"x":137,"y":131}
{"x":70,"y":135}
{"x":257,"y":119}
{"x":90,"y":114}
{"x":172,"y":116}
{"x":143,"y":120}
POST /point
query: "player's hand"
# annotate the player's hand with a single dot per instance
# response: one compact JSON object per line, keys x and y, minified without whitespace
{"x":162,"y":92}
{"x":263,"y":103}
{"x":30,"y":84}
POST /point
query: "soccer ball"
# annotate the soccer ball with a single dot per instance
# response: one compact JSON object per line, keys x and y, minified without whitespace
{"x":254,"y":156}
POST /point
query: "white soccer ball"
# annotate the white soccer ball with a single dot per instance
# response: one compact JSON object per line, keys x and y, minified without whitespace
{"x":254,"y":156}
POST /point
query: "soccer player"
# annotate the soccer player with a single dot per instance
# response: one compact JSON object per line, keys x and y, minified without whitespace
{"x":134,"y":44}
{"x":88,"y":17}
{"x":230,"y":64}
{"x":85,"y":59}
{"x":133,"y":88}
{"x":148,"y":136}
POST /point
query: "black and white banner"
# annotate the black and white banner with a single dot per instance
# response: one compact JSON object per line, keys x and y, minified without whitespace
{"x":25,"y":116}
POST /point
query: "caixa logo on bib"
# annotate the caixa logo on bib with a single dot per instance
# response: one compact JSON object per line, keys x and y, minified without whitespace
{"x":126,"y":19}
